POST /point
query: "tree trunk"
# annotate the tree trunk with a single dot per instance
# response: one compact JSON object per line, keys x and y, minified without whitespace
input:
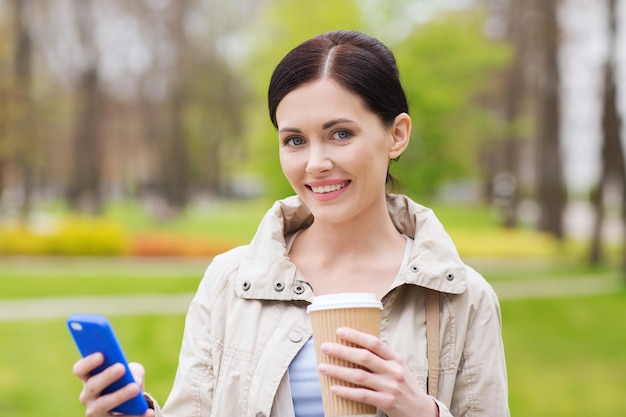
{"x":25,"y":132}
{"x":613,"y":164}
{"x":514,"y":98}
{"x":552,"y":196}
{"x":85,"y":193}
{"x":85,"y":189}
{"x":175,"y":158}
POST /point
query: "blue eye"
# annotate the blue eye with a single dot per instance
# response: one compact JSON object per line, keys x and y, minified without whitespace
{"x":295,"y":141}
{"x":342,"y":134}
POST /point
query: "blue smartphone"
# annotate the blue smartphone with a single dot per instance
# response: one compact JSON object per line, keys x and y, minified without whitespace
{"x":93,"y":333}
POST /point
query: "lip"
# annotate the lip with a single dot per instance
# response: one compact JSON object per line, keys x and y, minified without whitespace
{"x":327,"y":190}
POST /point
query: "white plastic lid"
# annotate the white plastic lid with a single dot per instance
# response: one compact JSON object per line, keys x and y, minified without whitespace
{"x":344,"y":300}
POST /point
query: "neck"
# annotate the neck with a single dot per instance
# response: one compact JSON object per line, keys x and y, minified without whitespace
{"x":367,"y":232}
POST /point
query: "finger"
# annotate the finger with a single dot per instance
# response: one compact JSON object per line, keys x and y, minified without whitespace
{"x":84,"y":366}
{"x":357,"y":355}
{"x":94,"y":385}
{"x":367,"y":341}
{"x":105,"y":403}
{"x":362,"y":395}
{"x":138,"y":372}
{"x":385,"y":391}
{"x":358,"y":376}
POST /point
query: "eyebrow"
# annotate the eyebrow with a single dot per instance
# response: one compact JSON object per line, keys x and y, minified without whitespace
{"x":289,"y":129}
{"x":334,"y":122}
{"x":326,"y":125}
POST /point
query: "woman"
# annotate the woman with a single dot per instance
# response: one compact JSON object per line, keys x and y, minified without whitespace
{"x":342,"y":116}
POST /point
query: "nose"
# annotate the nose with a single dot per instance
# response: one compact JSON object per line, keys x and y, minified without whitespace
{"x":319,"y":160}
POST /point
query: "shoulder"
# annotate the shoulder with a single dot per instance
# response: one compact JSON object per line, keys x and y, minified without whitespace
{"x":477,"y":285}
{"x":222,"y":269}
{"x":479,"y":297}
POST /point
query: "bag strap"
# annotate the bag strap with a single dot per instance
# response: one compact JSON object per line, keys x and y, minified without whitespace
{"x":432,"y":340}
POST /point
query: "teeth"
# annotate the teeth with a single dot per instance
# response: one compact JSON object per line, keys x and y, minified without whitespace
{"x":328,"y":188}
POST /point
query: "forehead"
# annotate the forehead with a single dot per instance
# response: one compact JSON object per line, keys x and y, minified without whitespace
{"x":321,"y":99}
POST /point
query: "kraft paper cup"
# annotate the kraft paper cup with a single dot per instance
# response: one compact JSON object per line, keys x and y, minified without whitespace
{"x":359,"y":311}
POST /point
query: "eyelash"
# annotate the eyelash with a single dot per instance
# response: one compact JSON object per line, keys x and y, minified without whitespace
{"x":347,"y":133}
{"x":289,"y":140}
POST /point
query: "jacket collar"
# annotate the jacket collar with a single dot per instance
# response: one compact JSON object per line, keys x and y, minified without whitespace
{"x":267,"y":272}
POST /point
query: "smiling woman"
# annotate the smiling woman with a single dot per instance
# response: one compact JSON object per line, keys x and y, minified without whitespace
{"x":342,"y":117}
{"x":333,"y":145}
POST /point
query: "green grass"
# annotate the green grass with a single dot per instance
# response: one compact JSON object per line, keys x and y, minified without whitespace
{"x":69,"y":276}
{"x":566,"y":357}
{"x":236,"y":221}
{"x":36,"y":358}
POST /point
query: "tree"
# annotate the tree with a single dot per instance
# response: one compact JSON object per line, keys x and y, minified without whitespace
{"x":551,"y":193}
{"x":613,"y":170}
{"x":502,"y":158}
{"x":23,"y":106}
{"x":85,"y":188}
{"x":446,"y":63}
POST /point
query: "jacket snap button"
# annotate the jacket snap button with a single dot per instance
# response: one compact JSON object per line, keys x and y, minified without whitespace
{"x":298,"y":289}
{"x":415,"y":268}
{"x":245,"y":285}
{"x":279,"y":286}
{"x":449,"y":276}
{"x":295,"y":336}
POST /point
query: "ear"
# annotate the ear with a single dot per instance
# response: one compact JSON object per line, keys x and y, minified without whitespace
{"x":400,"y":135}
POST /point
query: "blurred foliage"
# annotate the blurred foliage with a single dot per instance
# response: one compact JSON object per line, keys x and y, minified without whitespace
{"x":205,"y":231}
{"x":168,"y":244}
{"x":445,"y":64}
{"x":126,"y":228}
{"x":71,"y":236}
{"x":101,"y":236}
{"x":212,"y":101}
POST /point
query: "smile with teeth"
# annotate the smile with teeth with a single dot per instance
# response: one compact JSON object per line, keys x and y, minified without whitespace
{"x":328,"y":188}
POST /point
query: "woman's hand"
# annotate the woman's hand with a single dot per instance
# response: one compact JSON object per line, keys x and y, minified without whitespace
{"x":386,"y":382}
{"x":99,"y":405}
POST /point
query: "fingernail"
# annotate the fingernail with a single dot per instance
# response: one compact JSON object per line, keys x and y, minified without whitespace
{"x":322,"y":367}
{"x":325,"y":347}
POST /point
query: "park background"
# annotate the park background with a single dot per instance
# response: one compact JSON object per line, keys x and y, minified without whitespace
{"x":135,"y":145}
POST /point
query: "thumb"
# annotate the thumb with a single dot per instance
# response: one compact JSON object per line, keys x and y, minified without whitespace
{"x":138,"y":372}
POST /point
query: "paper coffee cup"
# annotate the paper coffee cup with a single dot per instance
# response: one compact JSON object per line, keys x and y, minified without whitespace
{"x":359,"y":311}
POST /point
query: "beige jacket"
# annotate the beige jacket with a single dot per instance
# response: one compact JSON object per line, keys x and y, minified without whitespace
{"x":248,"y":320}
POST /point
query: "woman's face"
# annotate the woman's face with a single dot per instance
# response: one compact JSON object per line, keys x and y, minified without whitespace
{"x":334,"y":151}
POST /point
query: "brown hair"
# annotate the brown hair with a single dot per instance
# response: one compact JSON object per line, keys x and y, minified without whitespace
{"x":358,"y":62}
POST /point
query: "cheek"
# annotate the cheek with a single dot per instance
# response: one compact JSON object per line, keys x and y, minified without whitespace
{"x":289,"y":165}
{"x":372,"y":158}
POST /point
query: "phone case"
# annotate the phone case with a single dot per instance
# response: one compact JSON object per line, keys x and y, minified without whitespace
{"x":93,"y":333}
